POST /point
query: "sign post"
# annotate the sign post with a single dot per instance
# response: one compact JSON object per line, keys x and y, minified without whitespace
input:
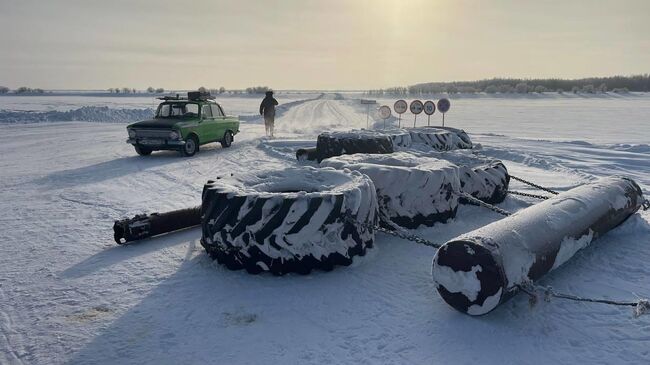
{"x":384,"y":113}
{"x":368,"y":103}
{"x":400,"y":108}
{"x":443,"y":106}
{"x":416,"y":108}
{"x":429,"y":108}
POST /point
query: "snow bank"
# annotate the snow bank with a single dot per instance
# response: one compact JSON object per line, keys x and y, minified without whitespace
{"x":83,"y":114}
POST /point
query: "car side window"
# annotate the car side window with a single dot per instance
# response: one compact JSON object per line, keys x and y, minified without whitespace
{"x":216,"y":110}
{"x":206,"y":112}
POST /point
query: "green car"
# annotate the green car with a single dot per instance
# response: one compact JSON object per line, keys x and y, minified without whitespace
{"x":183,"y":124}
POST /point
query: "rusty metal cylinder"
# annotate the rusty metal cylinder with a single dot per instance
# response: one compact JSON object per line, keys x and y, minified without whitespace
{"x":479,"y":270}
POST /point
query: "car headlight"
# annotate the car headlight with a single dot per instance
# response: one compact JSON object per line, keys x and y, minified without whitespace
{"x":131,"y":133}
{"x":173,"y":135}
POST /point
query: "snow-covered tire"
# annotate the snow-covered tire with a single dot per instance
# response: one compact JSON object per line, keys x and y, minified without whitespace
{"x":441,"y":139}
{"x":487,"y":182}
{"x":484,"y":179}
{"x":292,"y":220}
{"x":330,"y":144}
{"x":401,"y":137}
{"x":412,"y":191}
{"x":306,"y":154}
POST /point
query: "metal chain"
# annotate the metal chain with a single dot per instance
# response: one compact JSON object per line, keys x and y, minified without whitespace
{"x":534,"y":185}
{"x":641,"y":306}
{"x":474,"y":201}
{"x":542,"y":197}
{"x":397,"y":233}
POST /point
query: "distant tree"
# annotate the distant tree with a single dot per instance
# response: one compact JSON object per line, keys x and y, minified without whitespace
{"x":160,"y":90}
{"x":589,"y":89}
{"x":521,"y":88}
{"x":117,"y":90}
{"x":540,"y":89}
{"x":150,"y":90}
{"x":222,"y":90}
{"x":4,"y":89}
{"x":575,"y":89}
{"x":560,"y":91}
{"x":203,"y":89}
{"x":491,"y":89}
{"x":452,"y":89}
{"x":505,"y":89}
{"x":38,"y":91}
{"x":126,"y":90}
{"x":257,"y":89}
{"x":134,"y":90}
{"x":621,"y":90}
{"x":602,"y":88}
{"x":23,"y":90}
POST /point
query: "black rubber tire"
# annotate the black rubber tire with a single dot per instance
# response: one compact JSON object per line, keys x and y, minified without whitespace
{"x":306,"y":154}
{"x":330,"y":144}
{"x":412,"y":191}
{"x":283,"y":221}
{"x":142,"y":150}
{"x":488,"y":182}
{"x":191,"y":146}
{"x":441,"y":139}
{"x":227,"y":139}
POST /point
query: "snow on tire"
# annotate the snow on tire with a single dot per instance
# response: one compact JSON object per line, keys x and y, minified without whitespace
{"x":412,"y":191}
{"x":441,"y":138}
{"x":487,"y":180}
{"x":330,"y":144}
{"x":291,"y":220}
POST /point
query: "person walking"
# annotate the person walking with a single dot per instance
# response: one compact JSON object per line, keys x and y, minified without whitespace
{"x":267,"y":109}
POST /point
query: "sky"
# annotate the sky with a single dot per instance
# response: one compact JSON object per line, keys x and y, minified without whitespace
{"x":314,"y":44}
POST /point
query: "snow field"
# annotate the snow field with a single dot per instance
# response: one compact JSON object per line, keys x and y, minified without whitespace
{"x":69,"y":295}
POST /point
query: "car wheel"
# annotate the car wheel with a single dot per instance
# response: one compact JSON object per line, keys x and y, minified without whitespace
{"x":142,"y":151}
{"x":227,"y":139}
{"x":190,"y":147}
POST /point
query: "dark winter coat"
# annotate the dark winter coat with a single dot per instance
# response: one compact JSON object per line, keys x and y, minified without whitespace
{"x":267,"y":108}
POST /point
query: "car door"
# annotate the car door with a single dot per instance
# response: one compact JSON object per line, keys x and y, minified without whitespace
{"x":220,"y":120}
{"x":208,"y":126}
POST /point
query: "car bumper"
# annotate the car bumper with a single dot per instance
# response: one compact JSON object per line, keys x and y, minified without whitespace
{"x":157,"y":143}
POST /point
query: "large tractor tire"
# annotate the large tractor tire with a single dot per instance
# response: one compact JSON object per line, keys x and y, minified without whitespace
{"x":412,"y":191}
{"x":441,"y":139}
{"x":292,"y":220}
{"x":330,"y":144}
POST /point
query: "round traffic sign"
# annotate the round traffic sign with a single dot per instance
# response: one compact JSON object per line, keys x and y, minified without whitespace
{"x":444,"y":105}
{"x":400,"y":107}
{"x":416,"y":107}
{"x":384,"y":112}
{"x":429,"y":107}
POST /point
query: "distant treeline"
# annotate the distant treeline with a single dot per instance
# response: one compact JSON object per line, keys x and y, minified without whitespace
{"x":592,"y":85}
{"x":21,"y":90}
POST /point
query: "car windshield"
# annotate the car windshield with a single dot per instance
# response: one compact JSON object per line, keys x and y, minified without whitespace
{"x":177,"y":110}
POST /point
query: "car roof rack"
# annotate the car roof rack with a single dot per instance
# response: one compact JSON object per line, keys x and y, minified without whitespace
{"x":191,"y":95}
{"x":177,"y":97}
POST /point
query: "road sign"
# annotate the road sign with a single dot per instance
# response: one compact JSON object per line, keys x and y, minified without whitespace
{"x":400,"y":108}
{"x":429,"y":108}
{"x":443,"y":106}
{"x":416,"y":108}
{"x":384,"y":113}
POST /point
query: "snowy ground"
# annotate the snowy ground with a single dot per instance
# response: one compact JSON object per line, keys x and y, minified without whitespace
{"x":69,"y":295}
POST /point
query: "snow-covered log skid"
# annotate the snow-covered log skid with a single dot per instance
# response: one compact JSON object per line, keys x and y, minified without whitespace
{"x":292,"y":220}
{"x":148,"y":225}
{"x":330,"y":144}
{"x":412,"y":191}
{"x":477,"y":271}
{"x":441,"y":138}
